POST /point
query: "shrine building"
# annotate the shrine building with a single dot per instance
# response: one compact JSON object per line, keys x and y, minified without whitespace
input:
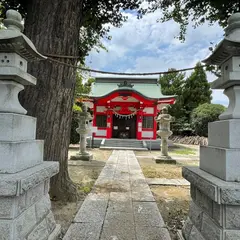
{"x":126,"y":107}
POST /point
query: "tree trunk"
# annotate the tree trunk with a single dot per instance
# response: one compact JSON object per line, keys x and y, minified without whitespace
{"x":53,"y":27}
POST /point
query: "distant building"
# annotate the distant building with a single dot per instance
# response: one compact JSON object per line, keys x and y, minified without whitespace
{"x":126,"y":107}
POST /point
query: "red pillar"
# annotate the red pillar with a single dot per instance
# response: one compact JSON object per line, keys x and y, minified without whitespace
{"x":109,"y":124}
{"x":155,"y":123}
{"x":94,"y":117}
{"x":139,"y":125}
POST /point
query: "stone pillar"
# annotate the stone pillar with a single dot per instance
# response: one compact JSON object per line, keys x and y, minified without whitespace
{"x":164,"y":132}
{"x":83,"y":129}
{"x":215,"y":186}
{"x":25,"y":207}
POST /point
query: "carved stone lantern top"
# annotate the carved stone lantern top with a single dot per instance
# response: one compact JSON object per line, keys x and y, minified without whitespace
{"x":12,"y":39}
{"x":164,"y":116}
{"x":227,"y":57}
{"x":230,"y":45}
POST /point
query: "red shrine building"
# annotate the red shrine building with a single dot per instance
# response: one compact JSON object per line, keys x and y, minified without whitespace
{"x":126,"y":107}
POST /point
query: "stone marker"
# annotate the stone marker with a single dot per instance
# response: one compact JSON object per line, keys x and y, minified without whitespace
{"x":25,"y":208}
{"x":215,"y":186}
{"x":164,"y":132}
{"x":83,"y":129}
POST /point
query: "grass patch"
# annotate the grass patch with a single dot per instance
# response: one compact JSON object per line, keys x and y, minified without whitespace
{"x":165,"y":171}
{"x":86,"y":188}
{"x":169,"y":171}
{"x":183,"y":151}
{"x":188,"y":163}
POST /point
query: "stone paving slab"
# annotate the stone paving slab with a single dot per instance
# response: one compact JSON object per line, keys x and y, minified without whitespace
{"x":121,"y":205}
{"x":146,"y":214}
{"x":120,"y":202}
{"x":165,"y":182}
{"x":93,"y":208}
{"x":152,"y":233}
{"x":84,"y":231}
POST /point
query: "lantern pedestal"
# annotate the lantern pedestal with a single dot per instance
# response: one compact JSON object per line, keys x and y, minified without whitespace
{"x":214,"y":211}
{"x":25,"y":206}
{"x":83,"y":129}
{"x":164,"y":132}
{"x":215,"y":186}
{"x":165,"y":160}
{"x":81,"y":156}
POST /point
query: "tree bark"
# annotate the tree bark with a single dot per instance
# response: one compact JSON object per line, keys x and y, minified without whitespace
{"x":53,"y":27}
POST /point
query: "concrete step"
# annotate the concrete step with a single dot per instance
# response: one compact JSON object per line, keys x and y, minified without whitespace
{"x":125,"y":148}
{"x":127,"y":144}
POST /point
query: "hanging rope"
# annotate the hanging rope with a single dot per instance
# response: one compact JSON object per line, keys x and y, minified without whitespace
{"x":126,"y":115}
{"x":115,"y":73}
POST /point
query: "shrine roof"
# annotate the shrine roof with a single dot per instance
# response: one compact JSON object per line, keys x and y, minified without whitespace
{"x":147,"y":87}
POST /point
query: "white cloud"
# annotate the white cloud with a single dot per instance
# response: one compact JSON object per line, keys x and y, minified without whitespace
{"x":143,"y":45}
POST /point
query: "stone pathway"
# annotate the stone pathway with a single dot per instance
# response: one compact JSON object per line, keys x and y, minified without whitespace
{"x":120,"y":207}
{"x":167,"y":182}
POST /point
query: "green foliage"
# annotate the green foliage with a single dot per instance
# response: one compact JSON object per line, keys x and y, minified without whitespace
{"x":195,"y":11}
{"x":196,"y":90}
{"x":1,"y":19}
{"x":76,"y":108}
{"x":184,"y":151}
{"x":191,"y":92}
{"x":172,"y":84}
{"x":96,"y":17}
{"x":74,"y":137}
{"x":81,"y":87}
{"x":204,"y":114}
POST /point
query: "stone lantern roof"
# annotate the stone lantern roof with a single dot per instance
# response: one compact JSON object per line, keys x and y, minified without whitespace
{"x":12,"y":40}
{"x":230,"y":45}
{"x":227,"y":56}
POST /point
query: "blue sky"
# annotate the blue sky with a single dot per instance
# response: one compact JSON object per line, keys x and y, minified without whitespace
{"x":148,"y":46}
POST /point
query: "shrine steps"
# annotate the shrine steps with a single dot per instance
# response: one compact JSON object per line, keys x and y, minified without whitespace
{"x":125,"y":144}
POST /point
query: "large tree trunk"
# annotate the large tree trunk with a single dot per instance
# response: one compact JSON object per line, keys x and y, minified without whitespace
{"x":53,"y":26}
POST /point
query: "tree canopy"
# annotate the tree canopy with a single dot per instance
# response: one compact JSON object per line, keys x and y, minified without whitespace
{"x":96,"y":14}
{"x":191,"y":92}
{"x":195,"y":11}
{"x":196,"y":90}
{"x":204,"y":114}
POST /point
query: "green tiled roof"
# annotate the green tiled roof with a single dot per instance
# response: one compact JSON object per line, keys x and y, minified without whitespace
{"x":147,"y":90}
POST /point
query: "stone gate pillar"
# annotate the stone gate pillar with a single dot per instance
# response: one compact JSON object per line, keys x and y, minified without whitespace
{"x":25,"y":208}
{"x":215,"y":186}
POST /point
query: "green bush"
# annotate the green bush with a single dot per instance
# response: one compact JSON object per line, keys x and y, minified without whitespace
{"x":74,"y":138}
{"x":181,"y":127}
{"x":204,"y":114}
{"x":74,"y":135}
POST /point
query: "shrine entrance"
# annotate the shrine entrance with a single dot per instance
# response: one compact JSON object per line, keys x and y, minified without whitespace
{"x":126,"y":107}
{"x":124,"y":127}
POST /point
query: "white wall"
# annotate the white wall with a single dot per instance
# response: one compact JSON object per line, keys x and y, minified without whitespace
{"x":147,"y":134}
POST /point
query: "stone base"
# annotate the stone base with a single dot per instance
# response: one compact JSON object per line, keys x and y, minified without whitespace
{"x":215,"y":208}
{"x":165,"y":160}
{"x":25,"y":207}
{"x":83,"y":157}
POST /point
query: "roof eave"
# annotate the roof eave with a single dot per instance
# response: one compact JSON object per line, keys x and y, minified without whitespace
{"x":130,"y":89}
{"x":225,"y":50}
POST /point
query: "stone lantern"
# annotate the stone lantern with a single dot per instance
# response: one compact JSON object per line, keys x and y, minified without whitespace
{"x":164,"y":119}
{"x":83,"y":129}
{"x":215,"y":186}
{"x":25,"y":208}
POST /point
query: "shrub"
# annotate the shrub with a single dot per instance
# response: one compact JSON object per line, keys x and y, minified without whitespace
{"x":181,"y":127}
{"x":74,"y":138}
{"x":204,"y":114}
